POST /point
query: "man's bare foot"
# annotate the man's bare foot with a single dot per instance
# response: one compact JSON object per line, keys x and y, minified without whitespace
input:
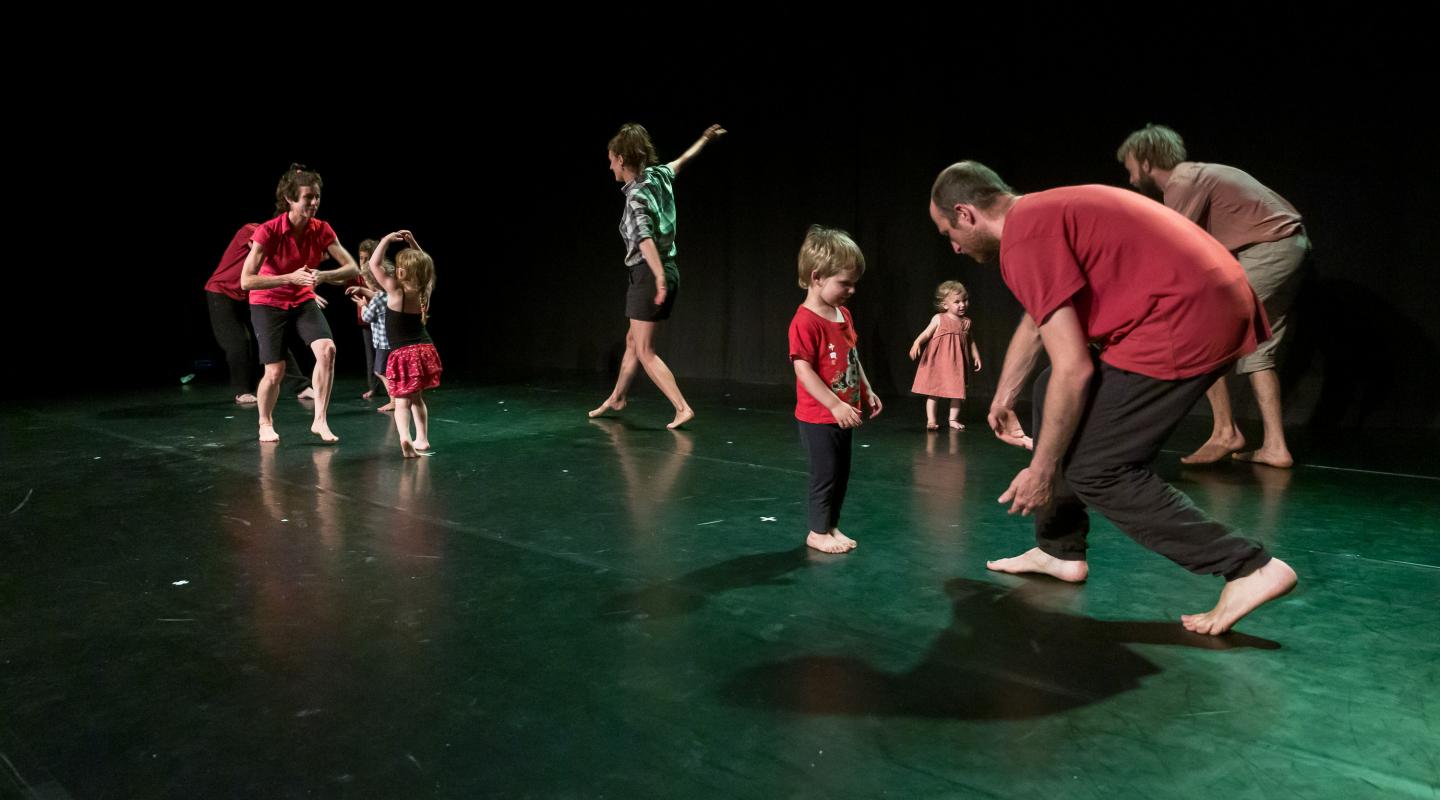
{"x":957,"y":425}
{"x":610,"y":404}
{"x":322,"y":429}
{"x":682,"y":416}
{"x":407,"y":449}
{"x":245,"y":399}
{"x":826,"y":543}
{"x":268,"y":434}
{"x":390,"y":406}
{"x":1037,"y":560}
{"x":850,"y":544}
{"x":308,"y":393}
{"x":1215,"y":449}
{"x":1241,"y":596}
{"x":368,"y":394}
{"x":1270,"y":458}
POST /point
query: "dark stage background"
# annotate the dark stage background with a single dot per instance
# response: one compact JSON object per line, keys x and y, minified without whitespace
{"x":498,"y":164}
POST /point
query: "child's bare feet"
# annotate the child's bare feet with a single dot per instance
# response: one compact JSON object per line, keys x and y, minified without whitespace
{"x":245,"y":399}
{"x":407,"y":449}
{"x":932,"y":426}
{"x":308,"y":393}
{"x":957,"y":425}
{"x":682,"y":416}
{"x":1270,"y":458}
{"x":390,"y":406}
{"x":268,"y":434}
{"x":1241,"y":596}
{"x":368,"y":394}
{"x":1037,"y":560}
{"x":322,"y":429}
{"x":610,"y":404}
{"x":826,"y":543}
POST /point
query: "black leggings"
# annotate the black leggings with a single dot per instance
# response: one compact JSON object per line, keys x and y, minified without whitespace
{"x":829,"y":449}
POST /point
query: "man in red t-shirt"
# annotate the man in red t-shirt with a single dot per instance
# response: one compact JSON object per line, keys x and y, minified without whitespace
{"x":1139,"y":310}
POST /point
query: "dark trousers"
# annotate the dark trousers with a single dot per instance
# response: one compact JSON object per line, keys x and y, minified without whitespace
{"x":230,"y":322}
{"x":372,"y":381}
{"x":1127,"y":417}
{"x":829,"y":449}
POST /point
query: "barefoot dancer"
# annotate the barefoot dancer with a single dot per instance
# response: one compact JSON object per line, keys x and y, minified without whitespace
{"x":280,"y":275}
{"x":1170,"y":310}
{"x":1267,"y":236}
{"x":648,"y":227}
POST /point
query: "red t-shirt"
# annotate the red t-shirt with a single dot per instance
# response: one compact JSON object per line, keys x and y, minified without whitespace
{"x":226,"y":279}
{"x":829,"y":347}
{"x":1158,"y":294}
{"x":284,"y":254}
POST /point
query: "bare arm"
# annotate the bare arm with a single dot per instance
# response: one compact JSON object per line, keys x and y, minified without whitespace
{"x":845,"y":415}
{"x":652,"y":260}
{"x":343,"y":273}
{"x":924,"y":337}
{"x":250,"y":277}
{"x":377,"y":263}
{"x":711,"y":133}
{"x":875,"y":405}
{"x":975,"y":354}
{"x":1070,"y":373}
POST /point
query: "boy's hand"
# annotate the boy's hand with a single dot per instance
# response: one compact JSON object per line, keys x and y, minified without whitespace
{"x":846,"y":415}
{"x":875,"y":405}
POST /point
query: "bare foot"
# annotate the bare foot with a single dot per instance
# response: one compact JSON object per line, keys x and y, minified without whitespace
{"x":245,"y":399}
{"x":850,"y":544}
{"x":422,"y":446}
{"x":390,"y":406}
{"x":610,"y":404}
{"x":825,"y":543}
{"x":322,"y":429}
{"x":932,"y":426}
{"x":1037,"y":560}
{"x":307,"y":394}
{"x":682,"y":416}
{"x":367,"y":395}
{"x":1241,"y":596}
{"x":1270,"y":458}
{"x":957,"y":425}
{"x":268,"y":434}
{"x":407,"y":449}
{"x":1215,"y":449}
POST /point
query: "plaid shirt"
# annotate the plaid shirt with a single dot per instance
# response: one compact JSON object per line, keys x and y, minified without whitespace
{"x":374,"y":313}
{"x":649,"y":214}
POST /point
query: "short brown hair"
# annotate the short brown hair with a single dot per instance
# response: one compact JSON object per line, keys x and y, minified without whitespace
{"x":828,"y":251}
{"x":1162,"y":147}
{"x":632,"y":144}
{"x":968,"y":182}
{"x":287,"y":190}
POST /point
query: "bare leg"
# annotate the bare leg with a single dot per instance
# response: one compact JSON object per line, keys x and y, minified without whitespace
{"x":930,"y":423}
{"x":643,"y":336}
{"x":1037,"y":560}
{"x":1225,"y":437}
{"x":955,"y":423}
{"x":421,"y":413}
{"x":266,"y":394}
{"x":402,"y":424}
{"x":322,"y":381}
{"x":1273,"y":451}
{"x":1241,"y":596}
{"x":629,"y":366}
{"x":389,"y":401}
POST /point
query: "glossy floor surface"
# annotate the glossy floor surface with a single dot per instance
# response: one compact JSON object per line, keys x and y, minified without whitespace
{"x":555,"y":607}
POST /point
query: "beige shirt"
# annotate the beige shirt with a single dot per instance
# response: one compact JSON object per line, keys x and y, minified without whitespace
{"x":1232,"y":206}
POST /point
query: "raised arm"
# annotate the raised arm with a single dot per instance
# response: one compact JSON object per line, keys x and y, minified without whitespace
{"x":711,"y":133}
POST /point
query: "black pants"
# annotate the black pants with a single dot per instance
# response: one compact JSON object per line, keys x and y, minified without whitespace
{"x":230,"y":322}
{"x":1127,"y":417}
{"x":372,"y":381}
{"x":829,"y":449}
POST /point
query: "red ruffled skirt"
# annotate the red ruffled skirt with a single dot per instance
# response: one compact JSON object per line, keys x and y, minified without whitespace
{"x":412,"y":368}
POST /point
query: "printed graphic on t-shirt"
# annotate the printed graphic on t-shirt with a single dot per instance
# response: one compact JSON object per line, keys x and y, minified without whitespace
{"x":846,"y":383}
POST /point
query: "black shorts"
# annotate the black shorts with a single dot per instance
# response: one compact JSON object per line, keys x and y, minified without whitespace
{"x":640,"y":297}
{"x":382,"y":357}
{"x":271,"y":323}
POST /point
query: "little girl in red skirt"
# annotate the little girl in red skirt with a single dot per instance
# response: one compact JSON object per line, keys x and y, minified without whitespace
{"x":414,"y":366}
